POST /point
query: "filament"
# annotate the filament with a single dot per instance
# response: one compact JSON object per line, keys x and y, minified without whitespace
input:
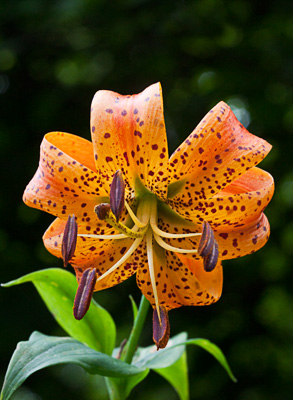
{"x":134,"y":217}
{"x":161,"y":233}
{"x":131,"y":249}
{"x":166,"y":246}
{"x":109,"y":237}
{"x":149,"y":242}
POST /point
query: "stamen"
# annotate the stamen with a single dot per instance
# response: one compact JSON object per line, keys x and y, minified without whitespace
{"x":134,"y":217}
{"x":117,"y":195}
{"x":164,"y":234}
{"x":159,"y":232}
{"x":131,"y":249}
{"x":207,"y":240}
{"x":69,"y":239}
{"x":166,"y":246}
{"x":84,"y":293}
{"x":208,"y":248}
{"x":109,"y":237}
{"x":211,"y":260}
{"x":102,"y":210}
{"x":161,"y":331}
{"x":110,"y":218}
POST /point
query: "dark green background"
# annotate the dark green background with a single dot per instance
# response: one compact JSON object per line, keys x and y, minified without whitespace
{"x":54,"y":55}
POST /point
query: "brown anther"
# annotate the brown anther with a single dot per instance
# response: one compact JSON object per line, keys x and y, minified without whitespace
{"x":208,"y":248}
{"x":117,"y":195}
{"x":207,"y":239}
{"x":102,"y":210}
{"x":161,"y":331}
{"x":210,"y":261}
{"x":84,"y":293}
{"x":69,"y":239}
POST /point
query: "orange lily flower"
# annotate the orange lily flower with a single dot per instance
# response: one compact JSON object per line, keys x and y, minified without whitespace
{"x":212,"y":178}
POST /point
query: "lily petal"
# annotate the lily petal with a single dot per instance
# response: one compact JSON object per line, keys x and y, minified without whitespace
{"x":244,"y":240}
{"x":238,"y":204}
{"x":53,"y":237}
{"x":87,"y":248}
{"x":93,"y":253}
{"x":129,"y":134}
{"x":180,"y":281}
{"x":216,"y":153}
{"x":233,"y":243}
{"x":65,"y":185}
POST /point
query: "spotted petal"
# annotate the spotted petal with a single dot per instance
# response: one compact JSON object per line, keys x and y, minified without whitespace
{"x":180,"y":280}
{"x":92,"y":253}
{"x":216,"y":153}
{"x":66,"y":181}
{"x":244,"y":240}
{"x":128,"y":134}
{"x":238,"y":204}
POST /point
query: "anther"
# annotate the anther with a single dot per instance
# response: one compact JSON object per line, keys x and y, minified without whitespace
{"x":208,"y":248}
{"x":69,"y":239}
{"x":207,"y":239}
{"x":102,"y":210}
{"x":210,"y":261}
{"x":105,"y":213}
{"x":117,"y":195}
{"x":84,"y":293}
{"x":161,"y":327}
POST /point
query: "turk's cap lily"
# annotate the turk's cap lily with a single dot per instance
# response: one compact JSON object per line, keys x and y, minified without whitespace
{"x":169,"y":220}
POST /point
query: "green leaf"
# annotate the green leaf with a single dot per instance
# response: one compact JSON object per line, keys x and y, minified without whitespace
{"x":149,"y":357}
{"x":42,"y":351}
{"x":57,"y":287}
{"x":177,"y":376}
{"x":214,"y":351}
{"x":169,"y":363}
{"x":121,"y":387}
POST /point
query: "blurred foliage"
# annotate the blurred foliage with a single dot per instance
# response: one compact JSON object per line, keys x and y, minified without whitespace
{"x":54,"y":55}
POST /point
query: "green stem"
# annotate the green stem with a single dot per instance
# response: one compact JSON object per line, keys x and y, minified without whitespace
{"x":115,"y":386}
{"x":112,"y":385}
{"x":131,"y":345}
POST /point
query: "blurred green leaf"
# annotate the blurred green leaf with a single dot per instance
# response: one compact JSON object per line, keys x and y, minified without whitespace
{"x":177,"y":375}
{"x":57,"y":287}
{"x":149,"y":357}
{"x":121,"y":387}
{"x":42,"y":351}
{"x":214,"y":351}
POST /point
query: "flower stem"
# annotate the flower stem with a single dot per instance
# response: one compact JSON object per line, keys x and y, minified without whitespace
{"x":131,"y":345}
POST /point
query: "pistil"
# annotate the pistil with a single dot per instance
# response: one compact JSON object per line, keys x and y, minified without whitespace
{"x":110,"y":218}
{"x":145,"y":225}
{"x":149,"y":243}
